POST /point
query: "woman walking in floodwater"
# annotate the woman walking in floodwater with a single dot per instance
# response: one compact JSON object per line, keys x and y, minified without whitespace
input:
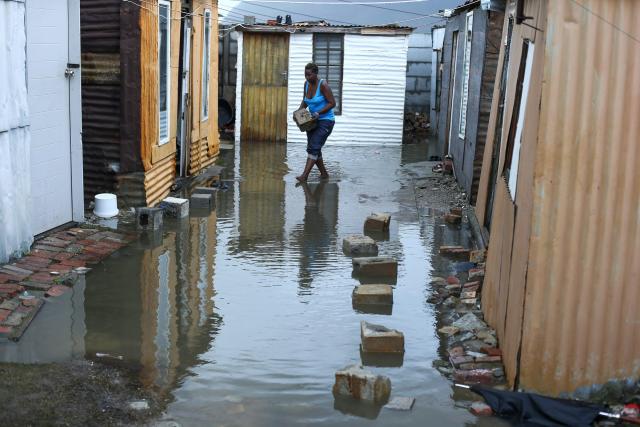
{"x":320,"y":101}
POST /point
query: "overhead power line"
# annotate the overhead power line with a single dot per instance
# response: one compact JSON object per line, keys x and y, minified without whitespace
{"x":337,"y":3}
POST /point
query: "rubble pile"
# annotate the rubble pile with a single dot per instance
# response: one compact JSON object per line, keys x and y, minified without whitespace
{"x":415,"y":122}
{"x":49,"y":270}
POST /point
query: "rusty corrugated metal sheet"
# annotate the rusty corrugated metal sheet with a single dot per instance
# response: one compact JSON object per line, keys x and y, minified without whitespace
{"x":100,"y":26}
{"x":585,"y":240}
{"x":566,"y":307}
{"x":100,"y":40}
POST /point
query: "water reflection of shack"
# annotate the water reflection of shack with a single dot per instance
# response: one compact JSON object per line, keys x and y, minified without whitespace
{"x":262,"y":195}
{"x":174,"y":306}
{"x":315,"y":238}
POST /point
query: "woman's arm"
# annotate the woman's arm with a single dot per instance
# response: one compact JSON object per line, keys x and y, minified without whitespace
{"x":328,"y":95}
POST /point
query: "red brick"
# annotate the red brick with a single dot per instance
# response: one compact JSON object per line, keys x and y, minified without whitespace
{"x":480,"y":409}
{"x":30,"y":302}
{"x":6,"y":330}
{"x":4,"y":278}
{"x":456,"y":351}
{"x":39,"y":253}
{"x":97,"y":251}
{"x":62,"y":256}
{"x":456,"y":211}
{"x":4,"y":314}
{"x":453,"y":280}
{"x":476,"y":376}
{"x":86,"y":242}
{"x":34,"y":260}
{"x":73,"y":262}
{"x":458,"y":360}
{"x":41,"y":278}
{"x":60,"y":268}
{"x":56,"y":291}
{"x":488,"y":359}
{"x":453,"y":219}
{"x":491,"y":351}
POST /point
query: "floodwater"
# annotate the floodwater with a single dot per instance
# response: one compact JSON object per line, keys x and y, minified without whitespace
{"x":241,"y":316}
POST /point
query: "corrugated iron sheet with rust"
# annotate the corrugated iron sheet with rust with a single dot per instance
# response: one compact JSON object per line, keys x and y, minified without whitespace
{"x":581,"y":314}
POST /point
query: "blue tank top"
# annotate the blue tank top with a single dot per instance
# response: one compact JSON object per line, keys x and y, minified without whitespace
{"x":318,"y":102}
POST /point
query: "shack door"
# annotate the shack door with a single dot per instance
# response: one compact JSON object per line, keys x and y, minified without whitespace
{"x":49,"y":78}
{"x":265,"y":62}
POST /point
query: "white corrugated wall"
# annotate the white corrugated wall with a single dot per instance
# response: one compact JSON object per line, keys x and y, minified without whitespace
{"x":300,"y":54}
{"x":373,"y":90}
{"x":15,"y":230}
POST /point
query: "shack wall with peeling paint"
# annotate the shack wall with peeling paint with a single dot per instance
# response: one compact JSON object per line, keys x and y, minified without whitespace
{"x":373,"y":87}
{"x":563,"y":257}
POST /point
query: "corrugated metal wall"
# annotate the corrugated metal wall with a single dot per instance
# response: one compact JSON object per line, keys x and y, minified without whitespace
{"x":585,"y":239}
{"x":100,"y":39}
{"x":373,"y":90}
{"x":563,"y":256}
{"x":300,"y":54}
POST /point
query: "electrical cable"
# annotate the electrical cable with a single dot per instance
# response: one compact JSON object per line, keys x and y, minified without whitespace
{"x":603,"y":19}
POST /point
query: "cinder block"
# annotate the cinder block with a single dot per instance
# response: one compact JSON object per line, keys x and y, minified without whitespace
{"x":373,"y":295}
{"x":149,"y":218}
{"x":358,"y":245}
{"x":205,"y":190}
{"x":175,"y":207}
{"x":475,"y":273}
{"x":202,"y":201}
{"x":375,"y":266}
{"x":377,"y":222}
{"x":382,"y":360}
{"x":357,"y":383}
{"x":478,"y":256}
{"x":380,"y":339}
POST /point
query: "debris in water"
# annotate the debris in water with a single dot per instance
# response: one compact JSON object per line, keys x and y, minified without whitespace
{"x":401,"y":403}
{"x":108,"y":356}
{"x":139,"y":405}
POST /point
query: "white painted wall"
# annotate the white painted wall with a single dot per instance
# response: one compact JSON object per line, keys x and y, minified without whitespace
{"x":15,"y":188}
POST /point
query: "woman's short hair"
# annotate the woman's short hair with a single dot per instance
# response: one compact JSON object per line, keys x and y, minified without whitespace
{"x":312,"y":67}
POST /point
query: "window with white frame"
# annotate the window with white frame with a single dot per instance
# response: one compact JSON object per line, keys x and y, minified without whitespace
{"x":164,"y":64}
{"x":206,"y":64}
{"x":462,"y":128}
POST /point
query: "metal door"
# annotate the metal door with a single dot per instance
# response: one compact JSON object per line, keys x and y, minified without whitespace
{"x":264,"y":87}
{"x":184,"y":122}
{"x":48,"y":76}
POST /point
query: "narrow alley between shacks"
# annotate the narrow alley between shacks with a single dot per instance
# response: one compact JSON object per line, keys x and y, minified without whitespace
{"x":242,"y":317}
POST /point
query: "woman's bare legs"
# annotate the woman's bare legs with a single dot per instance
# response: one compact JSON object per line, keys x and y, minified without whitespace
{"x":307,"y":170}
{"x":323,"y":171}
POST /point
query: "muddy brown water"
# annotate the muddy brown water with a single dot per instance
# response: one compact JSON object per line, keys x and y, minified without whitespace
{"x":242,"y":316}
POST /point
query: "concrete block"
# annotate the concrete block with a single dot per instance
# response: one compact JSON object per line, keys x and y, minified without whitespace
{"x":454,"y":250}
{"x":401,"y":403}
{"x":377,"y":222}
{"x":202,"y":201}
{"x":380,"y":339}
{"x":358,"y":245}
{"x":205,"y":190}
{"x":382,"y":360}
{"x":452,"y":219}
{"x":476,"y":273}
{"x":373,"y":295}
{"x":175,"y":207}
{"x":375,"y":266}
{"x":149,"y":218}
{"x":478,"y":256}
{"x":357,"y":383}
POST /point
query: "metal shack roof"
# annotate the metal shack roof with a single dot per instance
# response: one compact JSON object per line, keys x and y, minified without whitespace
{"x":322,"y":27}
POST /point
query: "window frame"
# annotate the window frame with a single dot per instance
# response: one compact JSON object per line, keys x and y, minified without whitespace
{"x":206,"y":65}
{"x":518,"y":117}
{"x":165,"y":140}
{"x":466,"y":74}
{"x":338,"y":108}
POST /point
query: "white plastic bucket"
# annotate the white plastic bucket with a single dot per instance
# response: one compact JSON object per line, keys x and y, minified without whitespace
{"x":106,"y":205}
